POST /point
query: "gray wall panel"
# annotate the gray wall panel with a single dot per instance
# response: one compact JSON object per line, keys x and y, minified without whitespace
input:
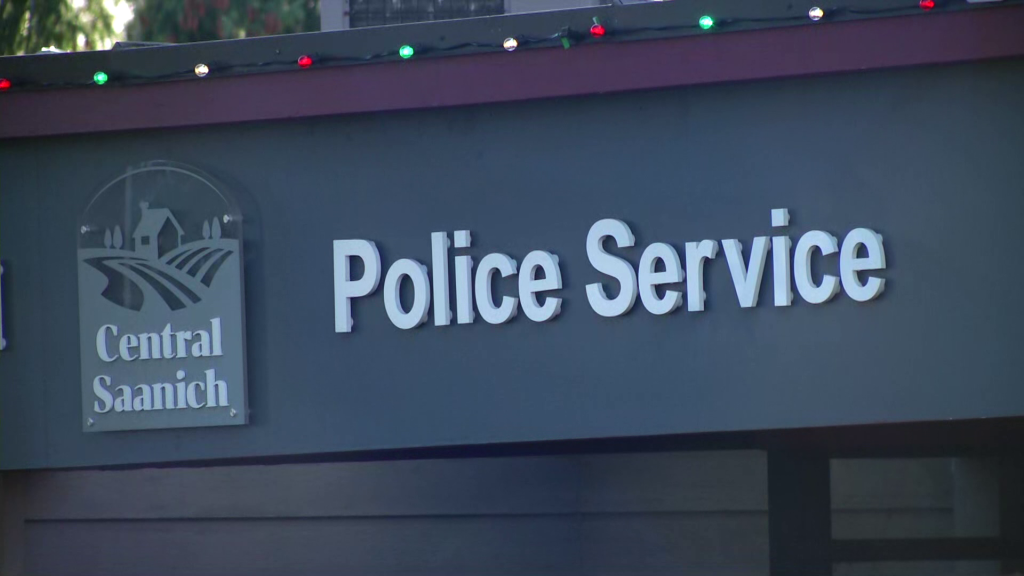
{"x":953,"y":568}
{"x":697,"y":481}
{"x":669,"y":482}
{"x":390,"y":488}
{"x":883,"y":523}
{"x":709,"y":543}
{"x":420,"y":546}
{"x":302,"y":546}
{"x":929,"y":157}
{"x":489,"y":516}
{"x":613,"y":514}
{"x":887,"y":483}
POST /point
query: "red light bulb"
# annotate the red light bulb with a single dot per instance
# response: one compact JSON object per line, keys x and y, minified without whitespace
{"x":4,"y":84}
{"x":597,"y":30}
{"x":305,"y":61}
{"x":927,"y":4}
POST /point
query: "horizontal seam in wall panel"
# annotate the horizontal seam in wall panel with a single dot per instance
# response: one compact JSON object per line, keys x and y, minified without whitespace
{"x":395,"y":516}
{"x":895,"y":509}
{"x":919,"y":549}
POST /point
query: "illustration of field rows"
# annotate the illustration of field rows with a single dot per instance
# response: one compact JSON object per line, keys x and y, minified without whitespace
{"x":179,"y":278}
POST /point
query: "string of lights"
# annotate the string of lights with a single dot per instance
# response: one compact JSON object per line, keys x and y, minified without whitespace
{"x":566,"y":37}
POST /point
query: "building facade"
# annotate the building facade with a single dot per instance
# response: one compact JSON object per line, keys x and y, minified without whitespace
{"x":345,"y":14}
{"x":632,"y":303}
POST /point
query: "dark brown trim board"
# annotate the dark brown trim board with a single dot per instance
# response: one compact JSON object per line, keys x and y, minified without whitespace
{"x":541,"y":73}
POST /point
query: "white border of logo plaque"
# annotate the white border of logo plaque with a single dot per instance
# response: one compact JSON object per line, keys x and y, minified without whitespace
{"x":161,"y":302}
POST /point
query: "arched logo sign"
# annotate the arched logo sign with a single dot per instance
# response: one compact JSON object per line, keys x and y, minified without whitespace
{"x":161,"y":302}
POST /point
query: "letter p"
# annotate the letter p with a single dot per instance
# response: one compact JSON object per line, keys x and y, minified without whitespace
{"x":345,"y":289}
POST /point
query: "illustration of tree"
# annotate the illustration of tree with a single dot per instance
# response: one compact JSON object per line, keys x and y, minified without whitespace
{"x":118,"y":238}
{"x":106,"y":239}
{"x":216,"y":229}
{"x":206,"y":230}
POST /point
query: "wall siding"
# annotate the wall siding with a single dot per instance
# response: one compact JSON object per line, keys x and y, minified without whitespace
{"x":559,"y":515}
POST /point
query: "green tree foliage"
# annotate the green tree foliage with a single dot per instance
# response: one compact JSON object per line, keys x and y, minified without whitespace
{"x":27,"y":26}
{"x":180,"y":21}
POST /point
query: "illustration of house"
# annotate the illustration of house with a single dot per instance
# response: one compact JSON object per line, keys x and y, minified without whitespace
{"x":158,"y":232}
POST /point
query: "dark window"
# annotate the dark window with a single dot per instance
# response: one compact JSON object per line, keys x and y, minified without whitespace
{"x":916,"y":516}
{"x":144,"y":241}
{"x":363,"y":13}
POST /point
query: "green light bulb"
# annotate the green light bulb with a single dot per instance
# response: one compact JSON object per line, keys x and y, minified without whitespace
{"x":100,"y":78}
{"x":706,"y":22}
{"x":406,"y":51}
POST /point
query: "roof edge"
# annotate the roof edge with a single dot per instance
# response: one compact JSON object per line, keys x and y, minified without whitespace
{"x":540,"y":73}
